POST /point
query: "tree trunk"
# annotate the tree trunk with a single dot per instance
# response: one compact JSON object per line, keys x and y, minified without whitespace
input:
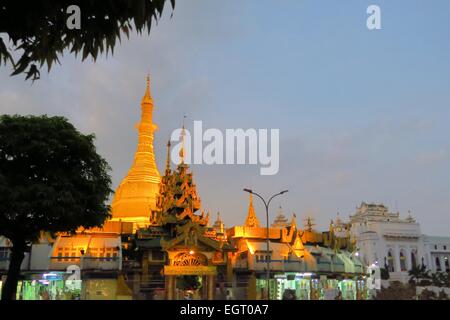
{"x":17,"y":254}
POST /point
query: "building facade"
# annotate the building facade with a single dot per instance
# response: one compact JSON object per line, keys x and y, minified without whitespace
{"x":85,"y":266}
{"x":304,"y":264}
{"x":159,"y":244}
{"x":387,"y":240}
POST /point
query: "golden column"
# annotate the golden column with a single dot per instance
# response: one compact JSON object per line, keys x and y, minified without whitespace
{"x":135,"y":198}
{"x":211,"y":283}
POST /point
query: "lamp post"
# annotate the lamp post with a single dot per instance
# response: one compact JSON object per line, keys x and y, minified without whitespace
{"x":268,"y":257}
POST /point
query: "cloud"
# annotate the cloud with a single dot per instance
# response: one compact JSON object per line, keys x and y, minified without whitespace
{"x":338,"y":148}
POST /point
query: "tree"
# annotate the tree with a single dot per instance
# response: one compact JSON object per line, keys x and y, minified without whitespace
{"x":418,"y":272}
{"x":38,"y":29}
{"x":51,"y":180}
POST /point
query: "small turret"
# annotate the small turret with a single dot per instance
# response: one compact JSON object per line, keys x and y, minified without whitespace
{"x":252,"y":219}
{"x":280,"y":220}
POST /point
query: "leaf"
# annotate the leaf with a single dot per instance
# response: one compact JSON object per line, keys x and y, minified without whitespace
{"x":39,"y":34}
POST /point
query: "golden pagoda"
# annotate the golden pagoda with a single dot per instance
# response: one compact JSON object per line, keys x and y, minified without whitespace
{"x":135,"y":198}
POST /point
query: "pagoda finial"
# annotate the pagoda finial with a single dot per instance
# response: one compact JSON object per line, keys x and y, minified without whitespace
{"x":294,"y":220}
{"x":183,"y":133}
{"x":168,"y":158}
{"x":309,"y":223}
{"x":252,"y":220}
{"x":147,"y":88}
{"x":147,"y":98}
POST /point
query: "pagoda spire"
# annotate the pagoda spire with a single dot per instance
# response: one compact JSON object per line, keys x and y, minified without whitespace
{"x":168,"y":158}
{"x":218,"y":224}
{"x":135,"y":198}
{"x":294,"y":220}
{"x":252,"y":220}
{"x":309,"y":223}
{"x":147,"y":96}
{"x":182,"y":135}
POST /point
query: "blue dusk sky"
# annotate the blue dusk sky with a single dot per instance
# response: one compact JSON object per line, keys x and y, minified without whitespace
{"x":363,"y":115}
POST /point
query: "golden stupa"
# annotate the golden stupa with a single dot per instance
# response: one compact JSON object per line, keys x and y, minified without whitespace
{"x":135,"y":198}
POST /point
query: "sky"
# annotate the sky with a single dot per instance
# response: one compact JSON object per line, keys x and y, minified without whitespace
{"x":363,"y":115}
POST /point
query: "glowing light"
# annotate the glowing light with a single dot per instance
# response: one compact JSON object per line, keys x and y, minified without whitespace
{"x":191,"y":252}
{"x":49,"y":275}
{"x":250,"y":248}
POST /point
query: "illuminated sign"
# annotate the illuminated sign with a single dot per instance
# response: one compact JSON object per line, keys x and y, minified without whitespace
{"x":190,"y":270}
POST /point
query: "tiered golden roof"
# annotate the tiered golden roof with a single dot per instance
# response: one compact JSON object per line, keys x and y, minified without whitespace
{"x":178,"y":198}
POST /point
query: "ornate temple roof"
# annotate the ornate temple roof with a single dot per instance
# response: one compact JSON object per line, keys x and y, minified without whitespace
{"x":378,"y":212}
{"x":176,"y":224}
{"x":280,"y":220}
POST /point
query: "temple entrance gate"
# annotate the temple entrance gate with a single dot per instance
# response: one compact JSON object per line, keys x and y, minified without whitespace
{"x":190,"y":267}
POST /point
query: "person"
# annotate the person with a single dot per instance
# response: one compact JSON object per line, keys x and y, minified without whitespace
{"x":187,"y":296}
{"x":289,"y":294}
{"x":339,"y":294}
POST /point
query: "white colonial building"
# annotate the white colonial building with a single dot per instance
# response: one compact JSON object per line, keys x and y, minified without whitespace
{"x":437,"y":253}
{"x":385,"y":239}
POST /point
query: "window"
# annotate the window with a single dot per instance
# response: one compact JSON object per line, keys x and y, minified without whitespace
{"x":402,"y":261}
{"x":447,"y":266}
{"x":261,"y":258}
{"x":445,"y":247}
{"x":438,"y":264}
{"x":390,"y":261}
{"x":413,"y":259}
{"x":4,"y":253}
{"x":435,"y":247}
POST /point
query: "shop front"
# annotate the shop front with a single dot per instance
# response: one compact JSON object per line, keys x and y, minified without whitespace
{"x":58,"y":286}
{"x":48,"y":286}
{"x":311,"y":286}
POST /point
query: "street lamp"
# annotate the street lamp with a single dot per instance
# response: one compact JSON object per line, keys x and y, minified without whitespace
{"x":268,"y":257}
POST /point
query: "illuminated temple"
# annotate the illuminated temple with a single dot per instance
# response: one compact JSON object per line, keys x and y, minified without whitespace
{"x":304,"y":263}
{"x":160,"y":244}
{"x":135,"y":198}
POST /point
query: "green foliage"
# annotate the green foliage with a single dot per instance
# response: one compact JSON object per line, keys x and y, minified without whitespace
{"x":51,"y":178}
{"x":37,"y":29}
{"x":418,"y":273}
{"x":188,"y":283}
